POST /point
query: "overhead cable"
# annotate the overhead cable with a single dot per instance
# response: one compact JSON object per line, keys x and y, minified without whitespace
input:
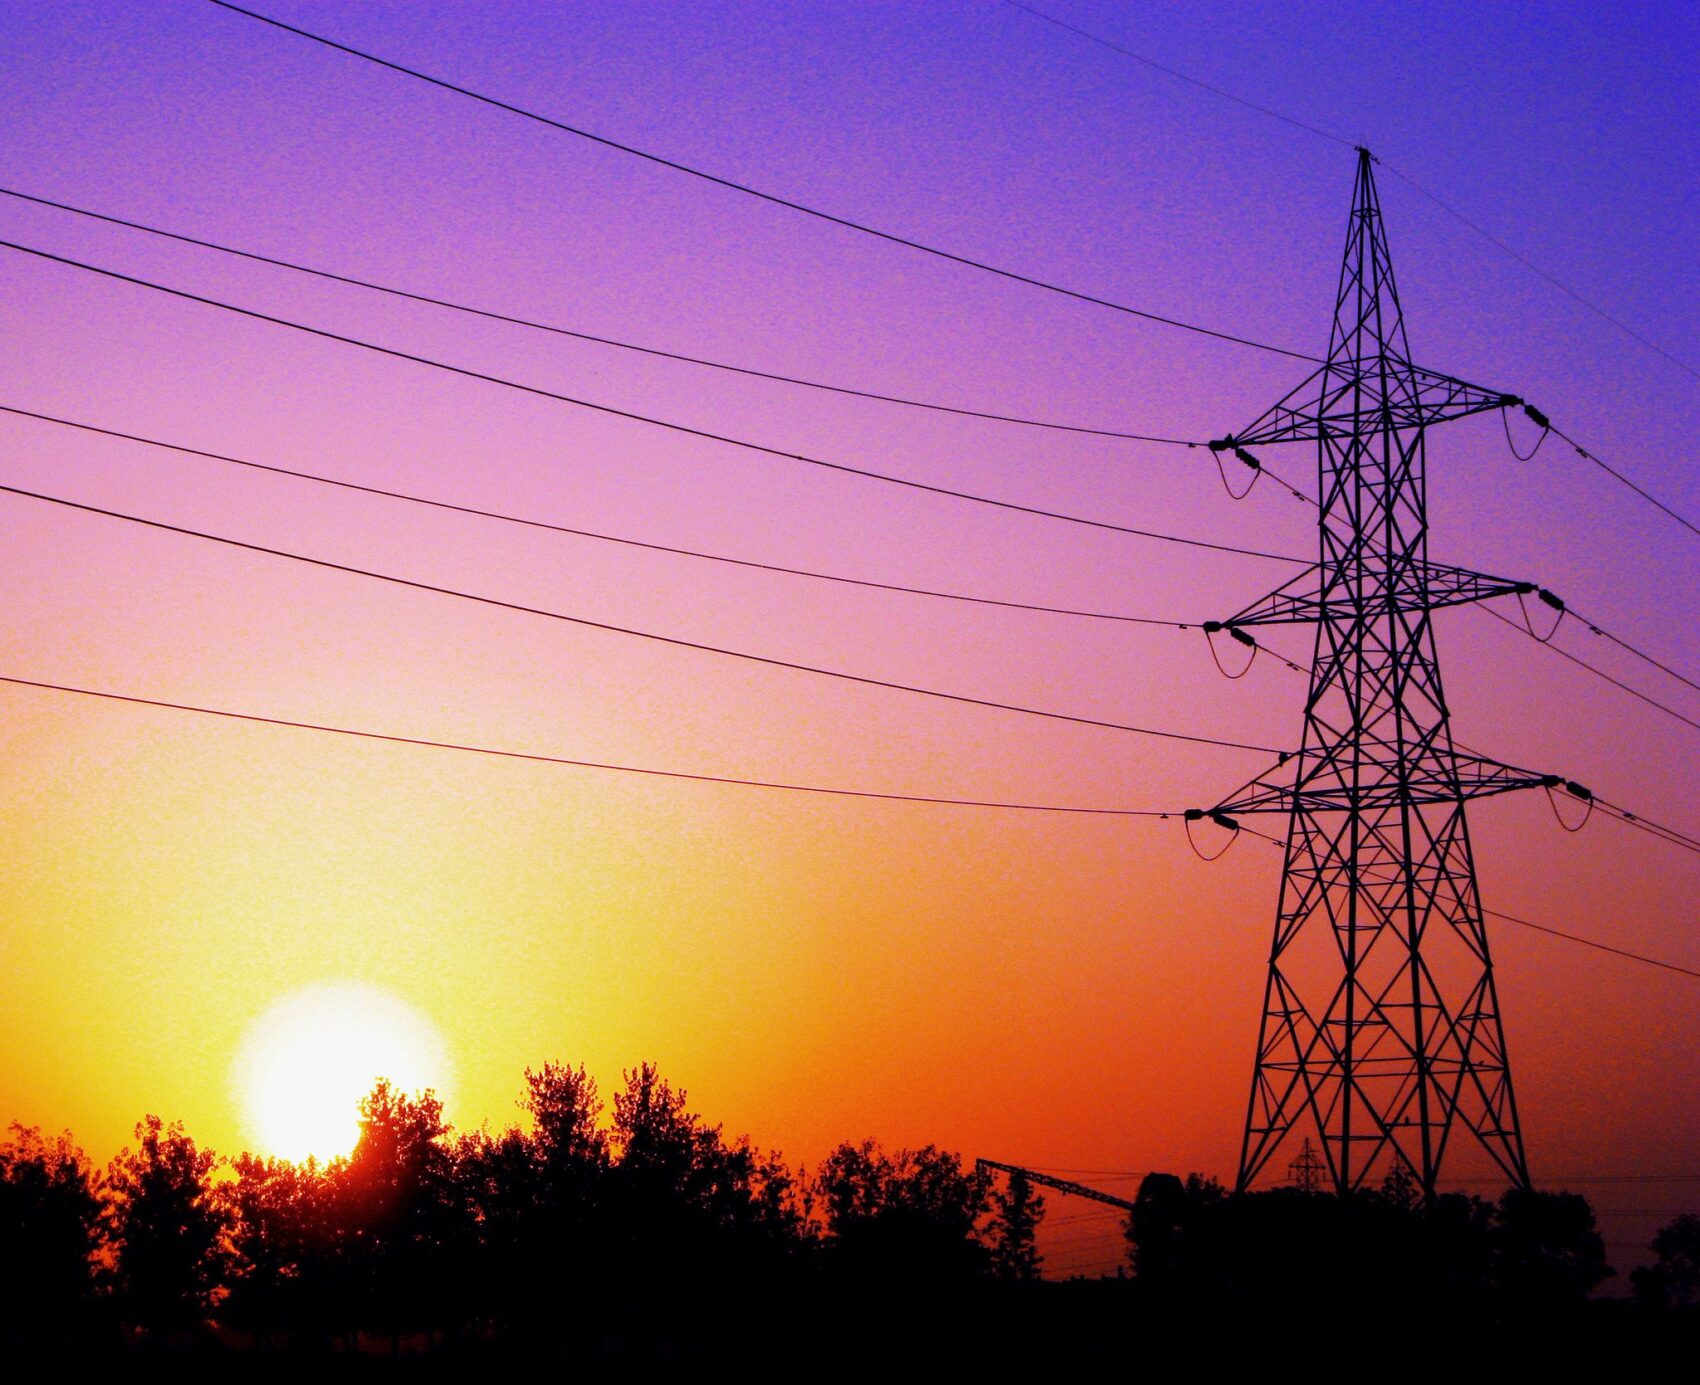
{"x":1618,"y":476}
{"x":861,"y":228}
{"x":578,"y":335}
{"x":688,"y":430}
{"x":1176,"y":73}
{"x":1560,"y":606}
{"x":1597,"y":671}
{"x":1403,"y":177}
{"x":1541,"y":927}
{"x":645,"y":770}
{"x":551,"y":527}
{"x":607,"y":627}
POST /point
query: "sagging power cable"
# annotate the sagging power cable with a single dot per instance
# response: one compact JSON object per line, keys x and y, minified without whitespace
{"x":576,"y":334}
{"x":537,"y":758}
{"x":537,"y":391}
{"x":774,"y":199}
{"x":585,"y":622}
{"x":575,"y":532}
{"x":1403,"y":177}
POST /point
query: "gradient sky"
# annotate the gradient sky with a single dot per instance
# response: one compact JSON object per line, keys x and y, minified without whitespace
{"x":1067,"y":992}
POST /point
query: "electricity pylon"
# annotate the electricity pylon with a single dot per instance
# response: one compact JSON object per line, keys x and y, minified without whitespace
{"x":1381,"y":1027}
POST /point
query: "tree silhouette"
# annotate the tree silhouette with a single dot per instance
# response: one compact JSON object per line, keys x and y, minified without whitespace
{"x":1016,"y":1212}
{"x":910,"y":1216}
{"x":646,"y":1234}
{"x":50,"y":1232}
{"x":1674,"y":1280}
{"x":1399,"y":1187}
{"x":167,"y":1224}
{"x":395,"y":1195}
{"x":565,"y":1111}
{"x":1169,"y":1217}
{"x":685,"y":1200}
{"x":534,"y":1199}
{"x":288,"y":1271}
{"x":1547,"y":1251}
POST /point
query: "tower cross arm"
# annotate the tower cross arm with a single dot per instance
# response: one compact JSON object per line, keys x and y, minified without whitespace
{"x":1321,"y":785}
{"x":1350,"y":398}
{"x":1416,"y":585}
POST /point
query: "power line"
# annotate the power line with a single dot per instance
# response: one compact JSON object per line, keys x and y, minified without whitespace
{"x":589,"y":533}
{"x":686,"y":429}
{"x":1075,"y":1242}
{"x":1640,"y":654}
{"x":1179,"y":75}
{"x":774,"y":199}
{"x":1534,"y":268}
{"x":1406,"y":178}
{"x":1537,"y":927}
{"x":1564,"y":653}
{"x":644,"y":770}
{"x":1596,"y":629}
{"x":1125,"y":1174}
{"x":1598,"y":672}
{"x":1617,"y":475}
{"x":609,"y":628}
{"x":1597,"y":946}
{"x":578,"y":335}
{"x":1633,"y":1178}
{"x":1669,"y":835}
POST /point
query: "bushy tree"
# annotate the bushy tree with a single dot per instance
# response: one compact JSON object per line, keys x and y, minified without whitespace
{"x":1547,"y":1252}
{"x":1673,"y":1281}
{"x":50,"y":1230}
{"x":684,"y":1193}
{"x":288,"y":1271}
{"x":167,"y":1225}
{"x":534,"y":1200}
{"x":401,"y":1213}
{"x":1170,"y":1219}
{"x":1016,"y":1213}
{"x":910,"y":1215}
{"x":566,"y":1113}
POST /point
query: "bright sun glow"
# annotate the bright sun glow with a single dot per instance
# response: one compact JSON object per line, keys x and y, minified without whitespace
{"x":307,"y":1061}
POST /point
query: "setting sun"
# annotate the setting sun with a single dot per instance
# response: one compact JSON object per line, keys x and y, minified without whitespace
{"x":305,"y":1063}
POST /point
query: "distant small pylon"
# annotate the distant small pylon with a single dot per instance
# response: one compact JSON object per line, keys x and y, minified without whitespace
{"x":1308,"y":1169}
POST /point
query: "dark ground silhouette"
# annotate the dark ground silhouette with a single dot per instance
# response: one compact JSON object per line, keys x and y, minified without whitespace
{"x":646,"y":1237}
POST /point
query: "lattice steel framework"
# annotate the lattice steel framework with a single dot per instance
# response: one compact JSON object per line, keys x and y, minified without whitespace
{"x":1381,"y":1026}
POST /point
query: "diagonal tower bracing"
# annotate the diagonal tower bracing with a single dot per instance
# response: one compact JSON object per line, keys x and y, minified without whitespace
{"x":1381,"y":1029}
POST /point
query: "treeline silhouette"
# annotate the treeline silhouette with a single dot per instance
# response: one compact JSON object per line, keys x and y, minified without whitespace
{"x":643,"y":1232}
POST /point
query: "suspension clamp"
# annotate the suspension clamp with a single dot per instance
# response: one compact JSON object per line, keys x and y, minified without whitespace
{"x":1215,"y":627}
{"x":1216,"y":815}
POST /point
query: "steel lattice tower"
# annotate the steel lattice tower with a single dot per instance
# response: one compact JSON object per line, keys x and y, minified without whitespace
{"x":1381,"y":1028}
